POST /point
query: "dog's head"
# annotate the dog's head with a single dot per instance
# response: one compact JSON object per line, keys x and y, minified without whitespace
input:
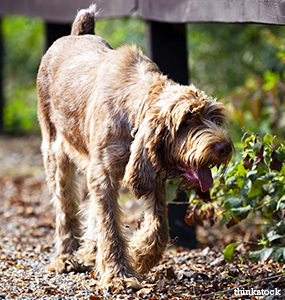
{"x":183,"y":132}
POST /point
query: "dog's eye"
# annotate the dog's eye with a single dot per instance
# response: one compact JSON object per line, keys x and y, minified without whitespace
{"x":215,"y":118}
{"x":210,"y":116}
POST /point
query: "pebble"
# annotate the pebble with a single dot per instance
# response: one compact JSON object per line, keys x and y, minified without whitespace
{"x":24,"y":276}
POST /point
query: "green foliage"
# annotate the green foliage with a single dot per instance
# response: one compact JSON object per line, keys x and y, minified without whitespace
{"x":262,"y":254}
{"x":260,"y":105}
{"x":243,"y":65}
{"x":229,"y":252}
{"x":23,"y":48}
{"x":223,"y":57}
{"x":122,"y":31}
{"x":256,"y":186}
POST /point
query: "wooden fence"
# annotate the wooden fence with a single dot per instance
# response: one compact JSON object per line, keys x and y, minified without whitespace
{"x":165,"y":23}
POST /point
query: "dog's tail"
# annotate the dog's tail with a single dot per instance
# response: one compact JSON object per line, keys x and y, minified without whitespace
{"x":84,"y":22}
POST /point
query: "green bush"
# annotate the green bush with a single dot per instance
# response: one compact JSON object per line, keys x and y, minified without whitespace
{"x":243,"y":65}
{"x":251,"y":187}
{"x":23,"y":48}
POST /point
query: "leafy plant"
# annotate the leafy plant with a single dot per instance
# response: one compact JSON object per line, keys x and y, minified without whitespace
{"x":253,"y":186}
{"x":229,"y":252}
{"x":23,"y":48}
{"x":257,"y":185}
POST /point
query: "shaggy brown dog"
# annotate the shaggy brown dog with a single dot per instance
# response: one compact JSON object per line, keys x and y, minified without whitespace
{"x":112,"y":114}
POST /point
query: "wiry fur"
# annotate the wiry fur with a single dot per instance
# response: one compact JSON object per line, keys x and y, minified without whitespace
{"x":90,"y":97}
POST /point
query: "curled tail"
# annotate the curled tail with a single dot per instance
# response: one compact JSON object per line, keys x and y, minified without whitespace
{"x":84,"y":22}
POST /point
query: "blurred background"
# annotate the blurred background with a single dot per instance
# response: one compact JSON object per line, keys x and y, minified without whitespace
{"x":240,"y":64}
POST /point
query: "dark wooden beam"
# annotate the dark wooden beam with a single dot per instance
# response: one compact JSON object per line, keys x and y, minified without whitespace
{"x":55,"y":31}
{"x":172,"y":11}
{"x":63,"y":11}
{"x":180,"y":233}
{"x":167,"y":47}
{"x":229,"y":11}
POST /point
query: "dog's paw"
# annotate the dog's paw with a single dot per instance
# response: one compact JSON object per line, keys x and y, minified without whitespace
{"x":118,"y":284}
{"x":143,"y":261}
{"x":65,"y":263}
{"x":86,"y":255}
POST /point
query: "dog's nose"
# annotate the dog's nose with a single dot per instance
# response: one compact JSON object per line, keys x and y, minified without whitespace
{"x":223,"y":149}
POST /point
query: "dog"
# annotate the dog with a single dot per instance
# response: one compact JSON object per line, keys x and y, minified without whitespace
{"x":115,"y":116}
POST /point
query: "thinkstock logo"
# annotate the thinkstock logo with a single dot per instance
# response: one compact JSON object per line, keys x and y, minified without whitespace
{"x":253,"y":292}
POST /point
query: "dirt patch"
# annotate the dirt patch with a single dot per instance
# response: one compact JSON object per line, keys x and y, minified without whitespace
{"x":27,"y":222}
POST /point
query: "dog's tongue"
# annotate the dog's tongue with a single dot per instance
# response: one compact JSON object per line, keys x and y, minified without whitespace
{"x":204,"y":176}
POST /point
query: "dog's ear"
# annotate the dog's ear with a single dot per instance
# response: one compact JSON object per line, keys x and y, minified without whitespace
{"x":144,"y":165}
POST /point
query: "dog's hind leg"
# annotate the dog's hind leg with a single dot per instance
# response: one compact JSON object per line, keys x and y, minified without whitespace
{"x":61,"y":181}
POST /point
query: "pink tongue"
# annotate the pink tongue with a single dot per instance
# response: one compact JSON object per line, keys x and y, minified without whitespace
{"x":204,"y":176}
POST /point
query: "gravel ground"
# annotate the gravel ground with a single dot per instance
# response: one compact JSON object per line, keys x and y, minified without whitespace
{"x":26,"y":241}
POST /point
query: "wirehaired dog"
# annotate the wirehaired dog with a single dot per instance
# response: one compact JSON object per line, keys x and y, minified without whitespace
{"x":115,"y":116}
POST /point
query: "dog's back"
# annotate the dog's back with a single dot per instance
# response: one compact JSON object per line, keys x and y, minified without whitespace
{"x":65,"y":75}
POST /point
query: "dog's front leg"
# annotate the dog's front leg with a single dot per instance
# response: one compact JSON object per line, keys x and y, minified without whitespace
{"x":105,"y":229}
{"x":149,"y":242}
